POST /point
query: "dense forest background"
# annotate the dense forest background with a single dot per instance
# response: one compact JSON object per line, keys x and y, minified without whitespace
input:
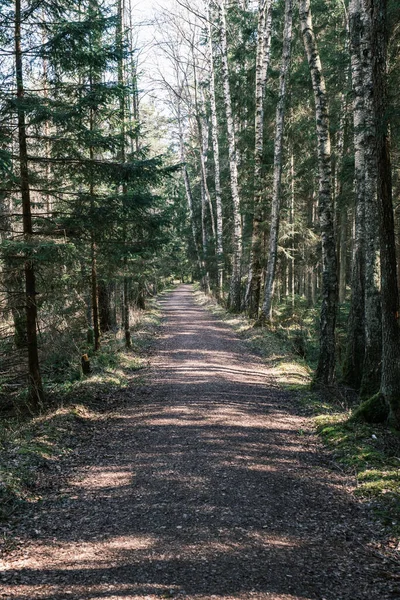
{"x":265,"y":170}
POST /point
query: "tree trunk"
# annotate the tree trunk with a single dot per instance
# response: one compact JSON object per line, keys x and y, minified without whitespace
{"x":390,"y":383}
{"x":292,"y":228}
{"x":217,"y":176}
{"x":95,"y":304}
{"x":325,"y":372}
{"x":126,"y":313}
{"x":343,"y":217}
{"x":340,"y":209}
{"x":204,"y":237}
{"x":104,"y":306}
{"x":234,"y":292}
{"x":122,"y":116}
{"x":263,"y":55}
{"x":35,"y":391}
{"x":373,"y":318}
{"x":202,"y":133}
{"x":276,"y":190}
{"x":188,"y":189}
{"x":355,"y":347}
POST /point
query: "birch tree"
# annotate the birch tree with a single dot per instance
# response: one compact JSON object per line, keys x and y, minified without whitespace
{"x":235,"y":285}
{"x":278,"y":147}
{"x":363,"y":357}
{"x":263,"y":56}
{"x":325,"y":372}
{"x":216,"y":157}
{"x":354,"y":359}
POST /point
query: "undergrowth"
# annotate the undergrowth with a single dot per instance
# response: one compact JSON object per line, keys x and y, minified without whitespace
{"x":31,"y":444}
{"x":370,"y":452}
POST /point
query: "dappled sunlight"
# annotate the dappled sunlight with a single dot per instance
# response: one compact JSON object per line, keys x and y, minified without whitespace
{"x":99,"y":478}
{"x":88,"y":555}
{"x":207,"y":488}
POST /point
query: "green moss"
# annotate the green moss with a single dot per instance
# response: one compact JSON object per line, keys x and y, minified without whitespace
{"x":372,"y":453}
{"x":368,"y":450}
{"x":373,"y":410}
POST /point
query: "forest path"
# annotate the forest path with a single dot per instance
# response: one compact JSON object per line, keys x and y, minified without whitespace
{"x":206,"y":489}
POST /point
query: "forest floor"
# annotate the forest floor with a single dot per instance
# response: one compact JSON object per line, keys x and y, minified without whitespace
{"x":207,"y":482}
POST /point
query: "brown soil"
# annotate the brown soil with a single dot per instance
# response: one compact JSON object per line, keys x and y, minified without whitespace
{"x":204,"y":487}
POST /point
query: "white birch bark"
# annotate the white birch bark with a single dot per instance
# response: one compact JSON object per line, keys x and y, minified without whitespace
{"x":235,"y":284}
{"x":341,"y":212}
{"x":188,"y":189}
{"x":204,"y":237}
{"x":276,"y":190}
{"x":204,"y":128}
{"x":325,"y":372}
{"x":202,"y":132}
{"x":217,"y":169}
{"x":263,"y":56}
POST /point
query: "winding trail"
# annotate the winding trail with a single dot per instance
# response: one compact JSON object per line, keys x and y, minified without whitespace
{"x":205,"y":489}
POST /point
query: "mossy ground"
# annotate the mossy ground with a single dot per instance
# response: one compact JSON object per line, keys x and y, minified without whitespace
{"x":370,"y":452}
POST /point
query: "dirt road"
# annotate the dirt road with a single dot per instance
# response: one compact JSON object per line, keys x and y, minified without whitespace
{"x":206,"y":489}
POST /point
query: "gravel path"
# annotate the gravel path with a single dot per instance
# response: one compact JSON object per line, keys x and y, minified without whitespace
{"x":207,"y":488}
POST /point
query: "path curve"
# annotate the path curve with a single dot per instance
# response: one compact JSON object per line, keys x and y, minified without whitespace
{"x":207,"y":489}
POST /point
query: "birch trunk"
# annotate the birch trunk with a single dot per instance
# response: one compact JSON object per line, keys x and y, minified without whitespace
{"x":390,"y":383}
{"x":217,"y":176}
{"x":204,"y":159}
{"x":202,"y":133}
{"x":263,"y":55}
{"x":355,"y":347}
{"x":133,"y":77}
{"x":188,"y":189}
{"x":342,"y":242}
{"x":35,"y":388}
{"x":292,"y":228}
{"x":341,"y":211}
{"x":276,"y":190}
{"x":325,"y":372}
{"x":206,"y":276}
{"x":122,"y":118}
{"x":235,"y":285}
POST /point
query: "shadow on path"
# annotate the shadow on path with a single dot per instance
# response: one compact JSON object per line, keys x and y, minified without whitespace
{"x":208,"y":490}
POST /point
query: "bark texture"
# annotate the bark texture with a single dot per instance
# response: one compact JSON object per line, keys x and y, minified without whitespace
{"x":263,"y":55}
{"x":217,"y":168}
{"x":235,"y":291}
{"x":371,"y":376}
{"x":36,"y":394}
{"x":104,"y":306}
{"x":390,"y":383}
{"x":188,"y":189}
{"x":355,"y":347}
{"x":325,"y":372}
{"x":276,"y":190}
